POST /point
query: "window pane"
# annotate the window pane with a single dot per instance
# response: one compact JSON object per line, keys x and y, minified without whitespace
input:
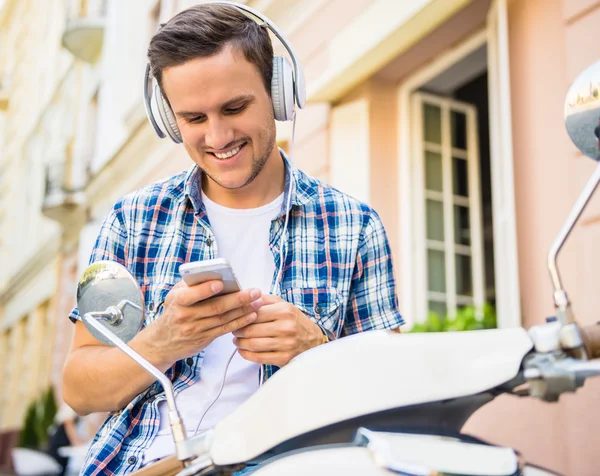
{"x":433,"y":171}
{"x":460,"y":177}
{"x":432,"y":123}
{"x":464,"y":278}
{"x":438,"y":307}
{"x":458,"y":127}
{"x":462,"y":230}
{"x":436,"y":267}
{"x":435,"y":220}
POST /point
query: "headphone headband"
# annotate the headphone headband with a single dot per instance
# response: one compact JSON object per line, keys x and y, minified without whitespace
{"x":299,"y":89}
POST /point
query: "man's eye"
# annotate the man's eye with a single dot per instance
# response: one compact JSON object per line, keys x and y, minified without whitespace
{"x":235,"y":110}
{"x":197,"y":119}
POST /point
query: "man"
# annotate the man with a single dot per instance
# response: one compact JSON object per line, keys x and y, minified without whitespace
{"x":214,"y":66}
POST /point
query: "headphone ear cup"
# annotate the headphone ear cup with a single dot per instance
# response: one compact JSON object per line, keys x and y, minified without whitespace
{"x":166,"y":119}
{"x":282,"y":89}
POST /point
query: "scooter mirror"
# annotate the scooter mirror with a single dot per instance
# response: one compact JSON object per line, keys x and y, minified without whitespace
{"x":108,"y":286}
{"x":582,"y":111}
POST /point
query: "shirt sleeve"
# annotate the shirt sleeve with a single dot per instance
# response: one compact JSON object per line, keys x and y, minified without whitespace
{"x":373,"y":302}
{"x":111,"y":245}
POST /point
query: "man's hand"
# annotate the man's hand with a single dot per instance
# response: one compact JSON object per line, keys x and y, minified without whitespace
{"x":193,"y":318}
{"x":280,"y":333}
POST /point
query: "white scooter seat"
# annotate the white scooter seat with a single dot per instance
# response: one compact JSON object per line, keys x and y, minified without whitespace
{"x":363,"y":374}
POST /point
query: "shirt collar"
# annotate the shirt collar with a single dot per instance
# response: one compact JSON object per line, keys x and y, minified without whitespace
{"x":302,"y":190}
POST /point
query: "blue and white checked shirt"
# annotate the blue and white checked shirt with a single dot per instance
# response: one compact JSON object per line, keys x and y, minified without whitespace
{"x":338,"y":271}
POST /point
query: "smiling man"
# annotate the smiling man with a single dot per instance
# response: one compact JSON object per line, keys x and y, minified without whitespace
{"x":225,"y":116}
{"x":214,"y":67}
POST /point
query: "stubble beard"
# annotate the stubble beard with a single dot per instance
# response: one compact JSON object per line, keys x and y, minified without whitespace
{"x":258,"y":163}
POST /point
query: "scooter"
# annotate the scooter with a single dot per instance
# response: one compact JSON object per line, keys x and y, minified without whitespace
{"x":353,"y":406}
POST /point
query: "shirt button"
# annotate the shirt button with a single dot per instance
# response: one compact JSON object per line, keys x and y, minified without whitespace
{"x":318,"y":309}
{"x":209,"y":241}
{"x":151,"y":306}
{"x":189,"y":361}
{"x":132,"y":460}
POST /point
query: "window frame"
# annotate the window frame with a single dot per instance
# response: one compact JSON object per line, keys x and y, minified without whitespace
{"x":450,"y":297}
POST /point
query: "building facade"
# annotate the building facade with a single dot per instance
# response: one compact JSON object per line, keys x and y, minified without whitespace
{"x":444,"y":115}
{"x":41,"y":85}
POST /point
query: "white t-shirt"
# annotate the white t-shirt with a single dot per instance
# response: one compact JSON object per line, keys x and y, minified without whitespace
{"x":242,"y":237}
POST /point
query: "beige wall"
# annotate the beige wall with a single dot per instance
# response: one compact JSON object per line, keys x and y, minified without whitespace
{"x":381,"y":98}
{"x":64,"y":327}
{"x":43,"y":89}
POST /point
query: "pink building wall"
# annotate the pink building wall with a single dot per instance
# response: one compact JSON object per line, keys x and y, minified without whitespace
{"x":550,"y":43}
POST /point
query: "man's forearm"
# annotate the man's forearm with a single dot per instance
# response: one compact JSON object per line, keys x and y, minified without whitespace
{"x":105,"y":379}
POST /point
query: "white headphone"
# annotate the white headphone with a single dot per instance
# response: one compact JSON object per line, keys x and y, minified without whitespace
{"x":287,"y":85}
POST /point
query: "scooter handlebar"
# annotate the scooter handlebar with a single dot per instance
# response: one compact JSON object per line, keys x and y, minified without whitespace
{"x":591,"y":340}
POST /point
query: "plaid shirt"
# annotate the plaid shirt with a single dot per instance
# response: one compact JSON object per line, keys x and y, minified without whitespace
{"x":338,"y":271}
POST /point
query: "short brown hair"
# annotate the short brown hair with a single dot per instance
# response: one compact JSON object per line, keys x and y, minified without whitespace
{"x":204,"y":30}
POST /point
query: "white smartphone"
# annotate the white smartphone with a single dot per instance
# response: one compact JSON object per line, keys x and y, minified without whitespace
{"x":198,"y":272}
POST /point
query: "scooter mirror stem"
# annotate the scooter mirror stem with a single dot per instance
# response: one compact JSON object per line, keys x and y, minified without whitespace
{"x":561,"y":300}
{"x":112,"y":314}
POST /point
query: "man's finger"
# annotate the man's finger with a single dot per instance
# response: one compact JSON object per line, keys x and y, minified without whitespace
{"x":269,"y":358}
{"x":237,"y":312}
{"x":190,"y":295}
{"x":215,"y":324}
{"x":221,"y":304}
{"x":233,"y":325}
{"x":262,"y":344}
{"x":259,"y":329}
{"x":202,"y":300}
{"x":271,"y":299}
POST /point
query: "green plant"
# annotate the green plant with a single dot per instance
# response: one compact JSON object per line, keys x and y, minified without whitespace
{"x":48,"y":408}
{"x":28,"y":437}
{"x":464,"y":320}
{"x":39,"y":416}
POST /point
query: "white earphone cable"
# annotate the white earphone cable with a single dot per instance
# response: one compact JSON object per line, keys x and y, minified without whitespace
{"x":218,"y":394}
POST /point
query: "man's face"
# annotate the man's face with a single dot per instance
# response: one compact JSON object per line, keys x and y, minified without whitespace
{"x":224,"y":114}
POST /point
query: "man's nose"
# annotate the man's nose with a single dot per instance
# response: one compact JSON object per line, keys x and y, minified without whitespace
{"x":219,"y":134}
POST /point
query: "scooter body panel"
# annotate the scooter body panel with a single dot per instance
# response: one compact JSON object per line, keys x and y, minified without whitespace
{"x":335,"y":382}
{"x":394,"y":453}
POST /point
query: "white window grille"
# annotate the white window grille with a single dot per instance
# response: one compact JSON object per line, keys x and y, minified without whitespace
{"x":450,"y":262}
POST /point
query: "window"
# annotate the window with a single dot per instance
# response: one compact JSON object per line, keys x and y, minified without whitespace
{"x":448,"y":197}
